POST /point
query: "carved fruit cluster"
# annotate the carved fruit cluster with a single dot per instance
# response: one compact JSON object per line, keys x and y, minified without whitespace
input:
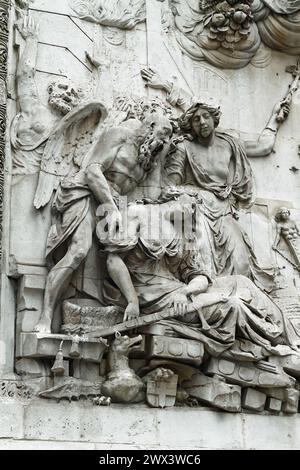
{"x":229,"y":22}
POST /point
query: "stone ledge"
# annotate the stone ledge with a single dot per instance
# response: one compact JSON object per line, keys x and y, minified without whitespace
{"x":48,"y":425}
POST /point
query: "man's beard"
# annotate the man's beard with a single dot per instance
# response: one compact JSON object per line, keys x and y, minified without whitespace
{"x":148,"y":152}
{"x":59,"y":104}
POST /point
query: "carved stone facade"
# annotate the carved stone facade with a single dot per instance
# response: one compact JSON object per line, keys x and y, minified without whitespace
{"x":4,"y":5}
{"x":152,"y":205}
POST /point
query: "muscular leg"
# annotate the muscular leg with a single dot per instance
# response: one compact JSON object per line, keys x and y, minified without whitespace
{"x":119,"y":273}
{"x":60,"y":276}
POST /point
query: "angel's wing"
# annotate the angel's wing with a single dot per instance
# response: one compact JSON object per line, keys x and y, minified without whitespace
{"x":67,"y":146}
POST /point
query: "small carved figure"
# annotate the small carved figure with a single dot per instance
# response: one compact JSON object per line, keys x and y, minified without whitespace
{"x":288,"y":230}
{"x":122,"y":384}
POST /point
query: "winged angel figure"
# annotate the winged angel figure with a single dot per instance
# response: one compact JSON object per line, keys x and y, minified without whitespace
{"x":61,"y":182}
{"x":88,"y":162}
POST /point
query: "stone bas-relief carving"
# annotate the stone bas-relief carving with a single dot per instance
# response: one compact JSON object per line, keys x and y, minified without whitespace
{"x":4,"y":7}
{"x":125,"y":14}
{"x":224,"y":190}
{"x":230,"y":34}
{"x":227,"y":34}
{"x":287,"y":230}
{"x":32,"y":126}
{"x":151,"y":290}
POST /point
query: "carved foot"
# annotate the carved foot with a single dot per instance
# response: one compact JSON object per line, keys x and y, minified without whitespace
{"x":43,"y":326}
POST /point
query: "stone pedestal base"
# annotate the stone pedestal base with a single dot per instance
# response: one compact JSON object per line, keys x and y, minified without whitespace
{"x":40,"y":424}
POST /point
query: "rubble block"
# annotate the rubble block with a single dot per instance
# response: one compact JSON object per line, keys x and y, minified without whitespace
{"x":289,"y":397}
{"x":177,"y":349}
{"x":273,"y":405}
{"x":260,"y":374}
{"x":214,"y":391}
{"x":290,"y":364}
{"x":34,"y":345}
{"x":253,"y":399}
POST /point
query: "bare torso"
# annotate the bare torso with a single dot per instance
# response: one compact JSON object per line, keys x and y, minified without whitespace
{"x":125,"y":172}
{"x":214,"y":159}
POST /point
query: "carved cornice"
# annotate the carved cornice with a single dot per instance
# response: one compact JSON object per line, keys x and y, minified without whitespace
{"x":4,"y":9}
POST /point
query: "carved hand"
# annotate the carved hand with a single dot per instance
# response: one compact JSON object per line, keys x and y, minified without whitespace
{"x":114,"y":220}
{"x":153,"y":79}
{"x":132,"y":311}
{"x":282,"y":109}
{"x":180,"y":303}
{"x":28,"y":28}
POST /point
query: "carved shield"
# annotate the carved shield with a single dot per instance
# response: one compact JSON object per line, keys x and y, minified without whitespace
{"x":162,"y":393}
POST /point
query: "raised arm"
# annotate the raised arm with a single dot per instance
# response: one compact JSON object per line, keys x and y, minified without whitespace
{"x":265,"y":144}
{"x":175,"y":96}
{"x":26,"y":85}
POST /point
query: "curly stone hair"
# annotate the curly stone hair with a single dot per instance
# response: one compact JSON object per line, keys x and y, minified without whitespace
{"x":185,"y":121}
{"x":278,"y":215}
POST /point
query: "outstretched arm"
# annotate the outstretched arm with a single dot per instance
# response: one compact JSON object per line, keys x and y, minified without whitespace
{"x":26,"y":85}
{"x":176,"y":96}
{"x":265,"y":144}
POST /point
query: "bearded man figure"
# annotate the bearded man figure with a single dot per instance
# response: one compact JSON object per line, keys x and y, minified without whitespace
{"x":34,"y":122}
{"x":119,"y":160}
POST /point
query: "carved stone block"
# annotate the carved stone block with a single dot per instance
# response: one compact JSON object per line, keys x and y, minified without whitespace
{"x":262,"y":374}
{"x":179,"y":349}
{"x":273,"y":405}
{"x":214,"y":391}
{"x":253,"y":399}
{"x":82,"y":315}
{"x":33,"y":345}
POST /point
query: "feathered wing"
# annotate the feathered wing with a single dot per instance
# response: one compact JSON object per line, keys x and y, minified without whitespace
{"x":67,"y":146}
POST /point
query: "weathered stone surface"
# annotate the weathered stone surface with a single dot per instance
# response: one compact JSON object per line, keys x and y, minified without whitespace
{"x":155,"y":208}
{"x":33,"y":345}
{"x":253,"y":399}
{"x":214,"y":391}
{"x":47,"y":424}
{"x":257,"y":375}
{"x":291,"y":364}
{"x":177,"y":349}
{"x":273,"y":405}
